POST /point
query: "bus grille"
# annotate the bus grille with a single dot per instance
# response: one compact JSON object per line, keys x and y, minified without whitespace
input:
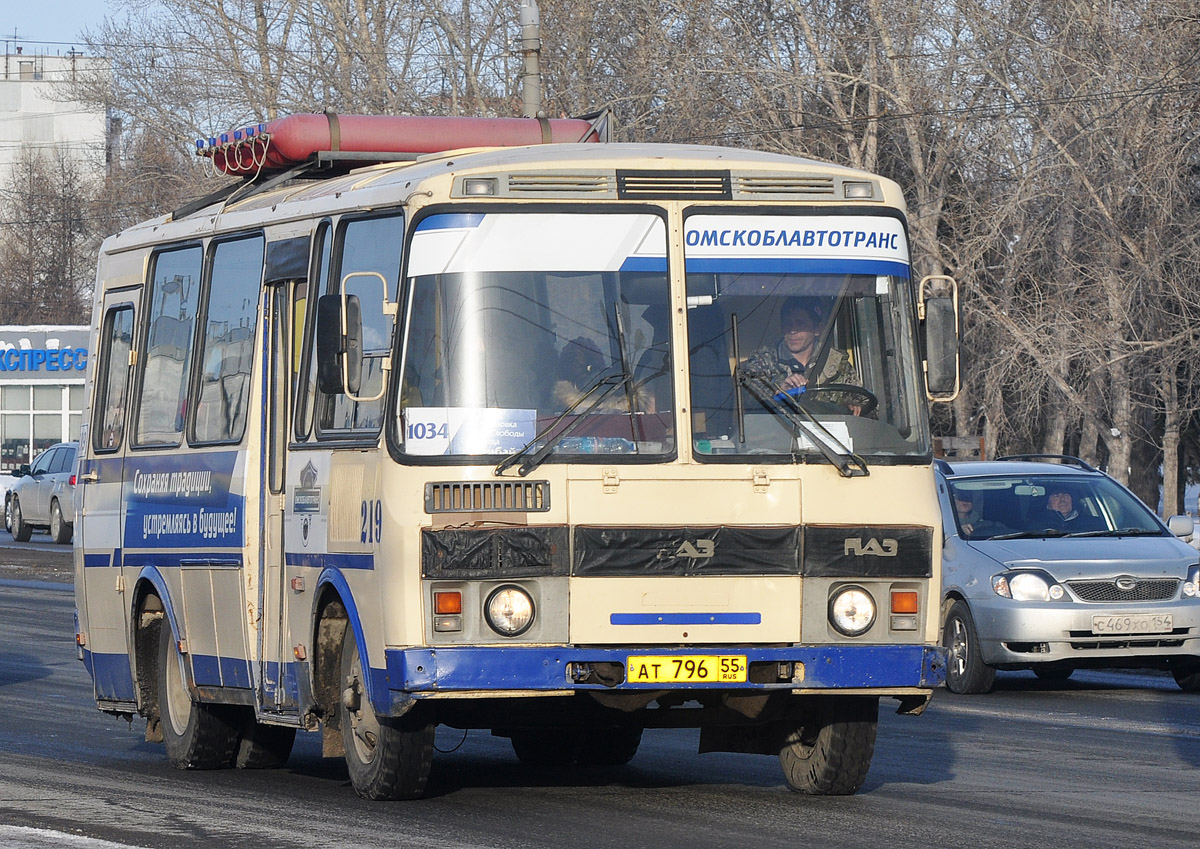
{"x":487,"y":497}
{"x":667,"y":185}
{"x":1153,"y":589}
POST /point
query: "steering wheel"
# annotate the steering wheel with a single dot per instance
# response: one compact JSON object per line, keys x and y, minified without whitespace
{"x":869,"y":401}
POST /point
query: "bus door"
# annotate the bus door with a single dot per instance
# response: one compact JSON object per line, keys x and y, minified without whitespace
{"x":101,"y":472}
{"x":287,"y":267}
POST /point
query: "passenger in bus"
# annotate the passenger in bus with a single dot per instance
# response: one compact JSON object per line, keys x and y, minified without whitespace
{"x":787,"y":366}
{"x":580,"y":364}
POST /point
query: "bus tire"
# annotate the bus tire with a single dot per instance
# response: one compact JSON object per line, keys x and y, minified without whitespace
{"x":263,"y":746}
{"x":609,"y":746}
{"x":829,"y":753}
{"x":61,"y":530}
{"x":965,"y":670}
{"x":196,"y":735}
{"x":386,"y":758}
{"x":546,"y":746}
{"x":21,"y":532}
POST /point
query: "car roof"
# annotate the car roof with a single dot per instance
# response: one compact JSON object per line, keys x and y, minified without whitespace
{"x":982,"y":468}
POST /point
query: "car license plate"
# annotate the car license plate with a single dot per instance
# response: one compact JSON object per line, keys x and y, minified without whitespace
{"x":1133,"y":623}
{"x":686,"y":669}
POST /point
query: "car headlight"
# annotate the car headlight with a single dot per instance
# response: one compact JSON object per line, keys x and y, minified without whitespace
{"x":509,"y":611}
{"x":852,"y":611}
{"x":1027,"y":586}
{"x":1191,"y":587}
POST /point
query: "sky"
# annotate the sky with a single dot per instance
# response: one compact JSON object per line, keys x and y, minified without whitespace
{"x":49,"y":26}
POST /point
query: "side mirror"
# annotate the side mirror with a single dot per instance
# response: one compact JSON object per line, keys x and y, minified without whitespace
{"x":938,"y":310}
{"x":23,"y":471}
{"x":1181,"y":526}
{"x":339,"y":345}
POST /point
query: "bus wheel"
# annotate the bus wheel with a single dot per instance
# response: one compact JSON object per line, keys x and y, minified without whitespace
{"x":263,"y":746}
{"x":609,"y":746}
{"x":829,"y":753}
{"x":546,"y":746}
{"x":387,"y":759}
{"x":21,"y":532}
{"x":60,"y":529}
{"x":197,"y":735}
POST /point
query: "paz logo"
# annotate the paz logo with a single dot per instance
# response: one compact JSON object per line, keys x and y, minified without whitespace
{"x":702,"y":550}
{"x":872,"y":547}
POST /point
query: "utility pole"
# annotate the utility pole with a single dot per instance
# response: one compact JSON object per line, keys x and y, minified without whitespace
{"x":531,"y":48}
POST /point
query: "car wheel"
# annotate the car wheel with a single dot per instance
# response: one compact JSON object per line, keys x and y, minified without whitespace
{"x":21,"y":532}
{"x":8,"y":515}
{"x":60,"y":530}
{"x":965,"y":670}
{"x":829,"y":753}
{"x":386,"y":758}
{"x":196,"y":735}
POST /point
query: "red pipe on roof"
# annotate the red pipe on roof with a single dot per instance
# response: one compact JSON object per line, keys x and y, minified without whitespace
{"x":294,"y":139}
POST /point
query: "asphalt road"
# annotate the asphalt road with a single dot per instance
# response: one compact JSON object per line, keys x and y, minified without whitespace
{"x":1108,"y":760}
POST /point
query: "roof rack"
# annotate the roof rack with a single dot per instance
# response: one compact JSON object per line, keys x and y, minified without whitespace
{"x":1065,"y":459}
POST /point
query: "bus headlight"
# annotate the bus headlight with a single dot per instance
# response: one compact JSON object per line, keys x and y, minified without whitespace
{"x":509,"y":611}
{"x":852,"y":611}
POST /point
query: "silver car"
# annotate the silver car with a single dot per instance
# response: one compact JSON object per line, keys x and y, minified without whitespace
{"x":43,"y":495}
{"x":1051,"y":565}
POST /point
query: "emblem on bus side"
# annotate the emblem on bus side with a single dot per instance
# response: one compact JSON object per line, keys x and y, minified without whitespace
{"x":873,"y":547}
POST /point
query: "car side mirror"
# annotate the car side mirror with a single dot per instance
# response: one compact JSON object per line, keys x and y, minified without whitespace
{"x":22,"y":471}
{"x":1181,"y":526}
{"x":335,"y":347}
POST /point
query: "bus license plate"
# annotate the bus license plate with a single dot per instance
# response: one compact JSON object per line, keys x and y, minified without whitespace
{"x":1133,"y":623}
{"x":686,"y":669}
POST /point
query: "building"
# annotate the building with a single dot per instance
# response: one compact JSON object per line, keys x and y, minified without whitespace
{"x":36,"y":112}
{"x":42,"y":371}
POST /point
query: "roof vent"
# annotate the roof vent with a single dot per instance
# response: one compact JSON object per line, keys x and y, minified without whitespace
{"x":547,"y":184}
{"x":671,"y":185}
{"x":784,"y":186}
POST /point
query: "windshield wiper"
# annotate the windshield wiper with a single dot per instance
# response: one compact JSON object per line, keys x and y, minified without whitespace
{"x":848,"y":464}
{"x":1119,"y":532}
{"x":1038,"y":534}
{"x":610,"y":382}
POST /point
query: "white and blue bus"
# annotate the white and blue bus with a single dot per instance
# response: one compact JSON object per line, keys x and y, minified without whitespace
{"x":560,"y":440}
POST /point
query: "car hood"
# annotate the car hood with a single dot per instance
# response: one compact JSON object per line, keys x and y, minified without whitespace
{"x":1066,"y":558}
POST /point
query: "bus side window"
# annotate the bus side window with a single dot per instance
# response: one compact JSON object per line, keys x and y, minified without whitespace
{"x":304,"y":333}
{"x":227,"y":346}
{"x":165,"y":370}
{"x":108,"y":429}
{"x":366,"y":245}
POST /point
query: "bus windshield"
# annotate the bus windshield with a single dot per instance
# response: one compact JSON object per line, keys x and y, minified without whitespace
{"x":800,"y":332}
{"x":550,"y":329}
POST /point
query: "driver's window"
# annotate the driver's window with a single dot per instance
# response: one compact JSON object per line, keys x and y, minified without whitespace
{"x":42,"y":464}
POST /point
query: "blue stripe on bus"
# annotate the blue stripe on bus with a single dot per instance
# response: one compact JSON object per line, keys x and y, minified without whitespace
{"x":192,"y":558}
{"x":313,"y":560}
{"x":795,"y":265}
{"x":644,"y":263}
{"x":685,"y":619}
{"x":98,"y":560}
{"x":215,"y":671}
{"x":112,"y":676}
{"x":450,"y":221}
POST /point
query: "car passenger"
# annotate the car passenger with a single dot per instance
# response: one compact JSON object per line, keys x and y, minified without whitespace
{"x":1063,"y":514}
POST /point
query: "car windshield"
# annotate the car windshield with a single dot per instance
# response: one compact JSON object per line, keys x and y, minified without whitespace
{"x":1015,"y":506}
{"x":801,"y":333}
{"x":537,"y":335}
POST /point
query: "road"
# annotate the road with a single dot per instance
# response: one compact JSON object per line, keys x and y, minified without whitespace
{"x":1108,"y":760}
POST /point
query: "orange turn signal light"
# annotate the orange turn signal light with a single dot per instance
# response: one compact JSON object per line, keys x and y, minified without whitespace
{"x":447,"y":603}
{"x":904,"y":601}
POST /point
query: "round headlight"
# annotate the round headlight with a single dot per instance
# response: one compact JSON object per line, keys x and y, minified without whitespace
{"x":1027,"y":586}
{"x":509,"y":611}
{"x":852,"y":611}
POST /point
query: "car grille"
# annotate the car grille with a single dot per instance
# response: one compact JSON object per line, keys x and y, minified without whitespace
{"x":1153,"y":589}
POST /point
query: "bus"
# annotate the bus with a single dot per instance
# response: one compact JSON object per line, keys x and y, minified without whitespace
{"x":441,"y":422}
